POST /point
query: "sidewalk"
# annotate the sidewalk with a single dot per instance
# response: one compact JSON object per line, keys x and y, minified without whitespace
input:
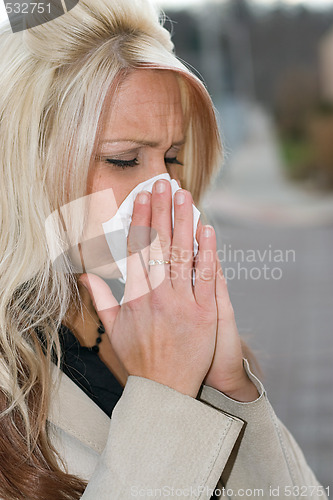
{"x":252,"y":185}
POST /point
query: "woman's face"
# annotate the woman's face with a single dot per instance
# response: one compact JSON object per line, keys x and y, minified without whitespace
{"x":141,"y":136}
{"x":142,"y":130}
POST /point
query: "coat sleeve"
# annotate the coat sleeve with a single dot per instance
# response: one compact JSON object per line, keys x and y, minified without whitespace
{"x":162,"y":443}
{"x":266,"y":459}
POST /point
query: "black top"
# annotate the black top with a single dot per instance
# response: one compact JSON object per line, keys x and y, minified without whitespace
{"x":89,"y":372}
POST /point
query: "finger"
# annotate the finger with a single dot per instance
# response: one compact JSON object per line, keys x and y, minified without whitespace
{"x":228,"y":337}
{"x":182,"y":242}
{"x":137,"y":282}
{"x":102,"y":298}
{"x":225,"y":309}
{"x":205,"y":268}
{"x":161,"y":232}
{"x":197,"y":233}
{"x":199,"y":227}
{"x":197,"y":237}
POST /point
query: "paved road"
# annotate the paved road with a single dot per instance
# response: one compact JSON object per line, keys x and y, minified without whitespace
{"x":281,"y":285}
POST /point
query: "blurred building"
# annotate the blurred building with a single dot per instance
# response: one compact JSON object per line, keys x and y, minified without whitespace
{"x":326,"y":66}
{"x":215,"y":40}
{"x":244,"y":51}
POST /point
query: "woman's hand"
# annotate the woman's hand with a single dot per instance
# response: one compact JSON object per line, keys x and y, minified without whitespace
{"x":165,"y":329}
{"x":227,"y":373}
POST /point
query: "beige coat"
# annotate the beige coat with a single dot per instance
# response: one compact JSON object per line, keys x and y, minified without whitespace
{"x":160,"y":443}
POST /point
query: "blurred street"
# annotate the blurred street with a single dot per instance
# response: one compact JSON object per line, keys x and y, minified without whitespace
{"x":275,"y":241}
{"x":252,"y":183}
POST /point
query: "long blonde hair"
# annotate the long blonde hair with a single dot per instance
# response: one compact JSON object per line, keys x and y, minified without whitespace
{"x":54,"y":81}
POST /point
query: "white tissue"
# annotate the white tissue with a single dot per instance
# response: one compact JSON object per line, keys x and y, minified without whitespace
{"x":116,"y":229}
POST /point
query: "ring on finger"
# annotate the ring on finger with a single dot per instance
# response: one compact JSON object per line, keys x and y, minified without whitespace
{"x":154,"y":262}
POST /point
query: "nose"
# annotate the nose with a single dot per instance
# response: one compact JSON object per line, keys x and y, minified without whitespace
{"x":162,"y":168}
{"x":158,"y":168}
{"x":154,"y":169}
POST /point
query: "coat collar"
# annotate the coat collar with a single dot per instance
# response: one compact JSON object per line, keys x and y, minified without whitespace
{"x":76,"y":414}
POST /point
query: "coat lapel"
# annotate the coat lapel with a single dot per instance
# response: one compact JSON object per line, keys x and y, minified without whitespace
{"x":75,"y":413}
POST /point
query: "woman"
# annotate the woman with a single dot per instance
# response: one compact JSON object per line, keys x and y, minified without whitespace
{"x":91,"y":101}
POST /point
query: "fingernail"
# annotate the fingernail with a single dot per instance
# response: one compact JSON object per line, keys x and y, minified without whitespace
{"x":179,"y":197}
{"x":143,"y":198}
{"x":160,"y":186}
{"x":207,"y":231}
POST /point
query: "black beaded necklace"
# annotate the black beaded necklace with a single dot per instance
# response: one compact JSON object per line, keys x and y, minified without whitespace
{"x":100,"y":331}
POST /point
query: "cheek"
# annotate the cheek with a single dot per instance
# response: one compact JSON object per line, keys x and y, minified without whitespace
{"x":103,"y":179}
{"x":102,"y":200}
{"x":98,"y":179}
{"x":107,"y":189}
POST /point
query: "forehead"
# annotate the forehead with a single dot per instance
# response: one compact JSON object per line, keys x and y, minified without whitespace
{"x":147,"y":103}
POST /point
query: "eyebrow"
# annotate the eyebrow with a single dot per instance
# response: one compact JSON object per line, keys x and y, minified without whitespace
{"x":143,"y":143}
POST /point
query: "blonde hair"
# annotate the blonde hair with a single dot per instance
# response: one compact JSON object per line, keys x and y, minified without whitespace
{"x":54,"y":80}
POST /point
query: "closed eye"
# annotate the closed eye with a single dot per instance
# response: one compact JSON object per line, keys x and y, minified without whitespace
{"x":123,"y":163}
{"x":134,"y":162}
{"x":174,"y":161}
